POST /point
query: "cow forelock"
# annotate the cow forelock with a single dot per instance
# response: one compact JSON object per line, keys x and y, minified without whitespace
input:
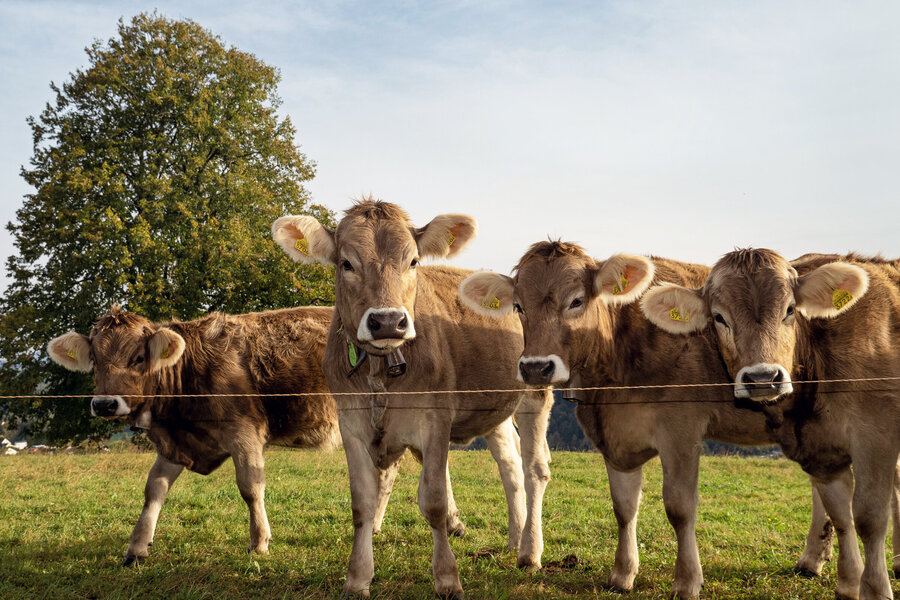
{"x":375,"y":278}
{"x":751,"y":299}
{"x":559,"y":312}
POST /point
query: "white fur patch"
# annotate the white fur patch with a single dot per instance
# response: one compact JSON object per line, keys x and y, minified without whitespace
{"x":363,"y":334}
{"x":560,"y":370}
{"x":782,"y":387}
{"x":121,"y":406}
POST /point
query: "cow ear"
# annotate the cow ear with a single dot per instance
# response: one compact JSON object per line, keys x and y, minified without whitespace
{"x":674,"y":308}
{"x":622,"y":278}
{"x":445,"y":235}
{"x":72,"y":351}
{"x":488,"y":293}
{"x":830,"y":290}
{"x":166,"y":348}
{"x":305,"y":239}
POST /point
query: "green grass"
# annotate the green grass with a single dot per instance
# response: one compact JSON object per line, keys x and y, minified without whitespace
{"x":65,"y":522}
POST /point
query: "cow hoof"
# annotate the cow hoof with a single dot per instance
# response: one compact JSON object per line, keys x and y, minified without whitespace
{"x":359,"y":594}
{"x":615,"y":589}
{"x":529,"y":566}
{"x":452,"y":596}
{"x":805,"y":572}
{"x":459,"y":530}
{"x":132,"y":560}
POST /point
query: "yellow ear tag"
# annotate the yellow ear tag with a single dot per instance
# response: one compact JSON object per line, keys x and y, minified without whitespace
{"x":450,"y":238}
{"x":71,"y":354}
{"x":165,"y":353}
{"x":302,"y":245}
{"x":840,"y":298}
{"x":677,"y":316}
{"x":621,"y":286}
{"x":493,"y":304}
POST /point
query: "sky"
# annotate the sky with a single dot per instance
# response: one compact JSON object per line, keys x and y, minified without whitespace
{"x":679,"y":129}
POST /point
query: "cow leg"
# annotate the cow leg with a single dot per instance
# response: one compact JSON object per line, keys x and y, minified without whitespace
{"x":364,"y":481}
{"x":533,"y":418}
{"x":836,"y":496}
{"x":680,"y":497}
{"x":159,"y":481}
{"x":625,"y":489}
{"x":503,"y":443}
{"x":386,"y":479}
{"x":433,"y":504}
{"x":249,"y":469}
{"x":455,"y":526}
{"x":874,"y":474}
{"x":819,"y":540}
{"x":895,"y":518}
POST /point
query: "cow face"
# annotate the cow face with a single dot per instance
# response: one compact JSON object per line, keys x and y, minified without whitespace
{"x":752,"y":298}
{"x":127,"y":354}
{"x":376,"y":251}
{"x":562,"y":297}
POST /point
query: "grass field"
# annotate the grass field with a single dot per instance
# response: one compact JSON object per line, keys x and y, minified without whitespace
{"x":65,"y":522}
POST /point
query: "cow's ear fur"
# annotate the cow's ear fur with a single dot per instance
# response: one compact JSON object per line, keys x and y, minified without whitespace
{"x":830,"y":290}
{"x":488,"y":293}
{"x":445,"y":235}
{"x":305,"y":240}
{"x":166,"y":348}
{"x":622,"y":278}
{"x":72,"y":351}
{"x":675,"y":309}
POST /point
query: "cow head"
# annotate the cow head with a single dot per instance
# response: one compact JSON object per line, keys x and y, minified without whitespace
{"x":562,"y":297}
{"x":127,"y":353}
{"x":376,"y":250}
{"x":752,"y":298}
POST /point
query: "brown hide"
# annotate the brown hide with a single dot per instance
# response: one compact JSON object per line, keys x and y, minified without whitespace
{"x":258,"y":353}
{"x":615,"y":345}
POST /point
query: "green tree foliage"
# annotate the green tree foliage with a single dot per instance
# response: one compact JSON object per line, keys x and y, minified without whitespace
{"x":157,"y":171}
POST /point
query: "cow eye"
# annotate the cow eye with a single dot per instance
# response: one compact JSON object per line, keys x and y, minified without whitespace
{"x":414,"y":264}
{"x":790,"y":312}
{"x":137,"y":360}
{"x":518,"y":308}
{"x":576,"y":303}
{"x":720,"y":320}
{"x":346,"y":265}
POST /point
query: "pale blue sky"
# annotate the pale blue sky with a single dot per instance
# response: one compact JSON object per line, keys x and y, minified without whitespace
{"x":681,"y":129}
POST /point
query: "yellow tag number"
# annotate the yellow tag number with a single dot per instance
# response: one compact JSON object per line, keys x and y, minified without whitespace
{"x":450,"y":238}
{"x":677,"y":316}
{"x":493,"y":304}
{"x":71,"y":354}
{"x":165,"y":353}
{"x":621,"y":286}
{"x":840,"y":298}
{"x":302,"y":245}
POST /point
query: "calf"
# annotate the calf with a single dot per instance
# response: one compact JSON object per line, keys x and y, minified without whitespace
{"x":272,"y":352}
{"x":774,"y":323}
{"x":582,"y":329}
{"x":392,"y":314}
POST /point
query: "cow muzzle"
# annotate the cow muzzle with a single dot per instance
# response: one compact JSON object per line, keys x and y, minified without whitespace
{"x":763,"y":382}
{"x":386,"y":328}
{"x":109,"y":406}
{"x":542,"y":370}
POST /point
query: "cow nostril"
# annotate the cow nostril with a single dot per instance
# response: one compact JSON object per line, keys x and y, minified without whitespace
{"x":547,"y":371}
{"x":374,"y":325}
{"x":779,"y":377}
{"x":403,"y":323}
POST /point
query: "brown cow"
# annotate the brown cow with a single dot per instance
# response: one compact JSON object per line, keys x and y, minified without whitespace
{"x":260,"y":353}
{"x":774,"y":323}
{"x":582,"y":329}
{"x":392,"y":309}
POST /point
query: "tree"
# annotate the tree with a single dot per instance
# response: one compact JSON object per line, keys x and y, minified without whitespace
{"x":157,"y":172}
